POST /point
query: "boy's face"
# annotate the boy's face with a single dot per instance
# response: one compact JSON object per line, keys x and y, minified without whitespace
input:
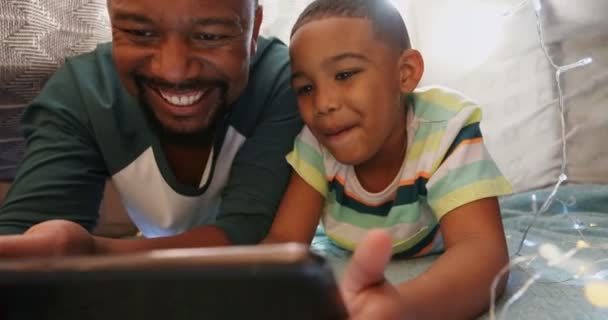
{"x":186,"y":60}
{"x":350,"y":86}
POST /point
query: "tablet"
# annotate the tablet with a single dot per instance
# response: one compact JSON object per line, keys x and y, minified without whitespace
{"x":283,"y":281}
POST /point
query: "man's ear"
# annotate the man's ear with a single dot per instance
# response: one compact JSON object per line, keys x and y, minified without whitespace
{"x":411,"y":68}
{"x":257,"y":23}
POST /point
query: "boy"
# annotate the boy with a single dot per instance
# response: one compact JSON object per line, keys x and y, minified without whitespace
{"x":375,"y":154}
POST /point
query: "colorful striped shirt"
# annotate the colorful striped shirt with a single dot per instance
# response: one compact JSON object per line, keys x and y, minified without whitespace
{"x":446,"y":165}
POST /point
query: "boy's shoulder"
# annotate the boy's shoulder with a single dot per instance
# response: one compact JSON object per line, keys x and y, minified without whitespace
{"x":437,"y":103}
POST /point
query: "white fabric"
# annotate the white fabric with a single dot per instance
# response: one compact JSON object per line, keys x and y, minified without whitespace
{"x":495,"y":57}
{"x":156,"y":208}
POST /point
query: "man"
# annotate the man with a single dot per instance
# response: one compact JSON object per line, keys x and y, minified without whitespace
{"x":190,"y":114}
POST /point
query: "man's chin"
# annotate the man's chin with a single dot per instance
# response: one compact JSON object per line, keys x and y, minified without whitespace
{"x":185,"y":128}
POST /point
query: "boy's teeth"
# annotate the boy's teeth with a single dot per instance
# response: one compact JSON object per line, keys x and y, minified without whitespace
{"x":182,"y":99}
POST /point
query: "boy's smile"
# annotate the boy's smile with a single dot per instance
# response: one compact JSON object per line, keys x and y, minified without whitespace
{"x":337,"y":135}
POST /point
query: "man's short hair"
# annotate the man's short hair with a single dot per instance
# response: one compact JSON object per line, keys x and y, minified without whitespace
{"x":255,"y":3}
{"x":384,"y":17}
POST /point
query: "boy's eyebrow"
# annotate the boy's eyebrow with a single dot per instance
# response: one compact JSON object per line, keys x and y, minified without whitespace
{"x":347,"y":55}
{"x":297,"y":74}
{"x":334,"y":59}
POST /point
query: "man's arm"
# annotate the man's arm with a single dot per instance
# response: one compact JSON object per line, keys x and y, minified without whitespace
{"x":62,"y":175}
{"x":260,"y":173}
{"x":204,"y":236}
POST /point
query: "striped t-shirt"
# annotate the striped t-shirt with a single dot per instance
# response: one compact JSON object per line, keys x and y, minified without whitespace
{"x":446,"y":165}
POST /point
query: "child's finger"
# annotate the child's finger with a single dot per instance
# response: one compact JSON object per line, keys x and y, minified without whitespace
{"x":366,"y":267}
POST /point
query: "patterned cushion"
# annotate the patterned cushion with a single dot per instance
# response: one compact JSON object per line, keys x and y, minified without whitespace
{"x":35,"y":38}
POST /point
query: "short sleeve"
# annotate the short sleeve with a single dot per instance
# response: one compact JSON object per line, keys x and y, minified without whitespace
{"x":466,"y":171}
{"x":62,"y":175}
{"x":306,"y":159}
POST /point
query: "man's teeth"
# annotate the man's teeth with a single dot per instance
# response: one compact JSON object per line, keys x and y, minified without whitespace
{"x":182,"y":99}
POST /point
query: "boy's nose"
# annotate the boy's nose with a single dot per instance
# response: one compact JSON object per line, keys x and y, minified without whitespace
{"x":171,"y":62}
{"x":325,"y":104}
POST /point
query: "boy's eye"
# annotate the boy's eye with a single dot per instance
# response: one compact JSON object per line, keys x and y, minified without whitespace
{"x":303,"y":90}
{"x":345,"y":74}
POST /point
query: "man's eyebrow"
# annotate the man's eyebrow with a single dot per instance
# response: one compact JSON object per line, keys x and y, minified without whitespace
{"x":217,"y":21}
{"x":131,"y":16}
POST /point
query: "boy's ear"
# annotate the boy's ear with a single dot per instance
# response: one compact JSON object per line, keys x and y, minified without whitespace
{"x":411,"y":68}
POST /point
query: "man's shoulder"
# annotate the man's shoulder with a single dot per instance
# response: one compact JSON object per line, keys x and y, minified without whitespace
{"x":270,"y":65}
{"x":92,"y":67}
{"x":86,"y":83}
{"x":441,"y":104}
{"x":270,"y":48}
{"x":88,"y":72}
{"x":268,"y":92}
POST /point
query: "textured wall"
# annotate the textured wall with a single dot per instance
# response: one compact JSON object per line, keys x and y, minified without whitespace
{"x":35,"y":38}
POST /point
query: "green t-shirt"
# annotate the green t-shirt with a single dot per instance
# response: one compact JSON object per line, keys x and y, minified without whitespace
{"x":85,"y":128}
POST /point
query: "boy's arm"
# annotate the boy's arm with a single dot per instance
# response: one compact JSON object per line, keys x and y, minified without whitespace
{"x":457,"y":286}
{"x":298,"y":214}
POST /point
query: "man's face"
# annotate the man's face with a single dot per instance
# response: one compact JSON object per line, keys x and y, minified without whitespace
{"x":186,"y":60}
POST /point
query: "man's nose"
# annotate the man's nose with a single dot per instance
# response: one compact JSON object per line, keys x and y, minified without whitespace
{"x":171,"y":61}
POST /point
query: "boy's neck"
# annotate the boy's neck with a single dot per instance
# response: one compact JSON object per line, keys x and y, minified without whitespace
{"x":377,"y":173}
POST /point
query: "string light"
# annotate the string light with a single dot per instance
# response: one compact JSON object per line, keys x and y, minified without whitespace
{"x":596,"y":291}
{"x":559,"y":70}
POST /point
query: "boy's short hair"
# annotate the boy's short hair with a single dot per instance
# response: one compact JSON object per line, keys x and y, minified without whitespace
{"x":384,"y":17}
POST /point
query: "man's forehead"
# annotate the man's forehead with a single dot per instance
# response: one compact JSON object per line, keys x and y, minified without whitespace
{"x":186,"y":8}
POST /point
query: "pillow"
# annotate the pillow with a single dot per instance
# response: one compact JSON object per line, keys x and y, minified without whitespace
{"x":35,"y":39}
{"x":492,"y":53}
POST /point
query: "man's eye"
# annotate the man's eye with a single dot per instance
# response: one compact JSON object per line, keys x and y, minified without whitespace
{"x":211,"y":37}
{"x":139,"y":33}
{"x":304,"y":90}
{"x":345,"y":75}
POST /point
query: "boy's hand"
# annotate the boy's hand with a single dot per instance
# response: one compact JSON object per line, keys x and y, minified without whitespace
{"x":365,"y":291}
{"x":50,"y":238}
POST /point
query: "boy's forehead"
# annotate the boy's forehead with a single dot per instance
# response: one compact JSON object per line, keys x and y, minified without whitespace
{"x":335,"y":29}
{"x":334,"y":35}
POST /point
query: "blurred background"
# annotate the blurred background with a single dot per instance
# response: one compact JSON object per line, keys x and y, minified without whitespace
{"x":491,"y":51}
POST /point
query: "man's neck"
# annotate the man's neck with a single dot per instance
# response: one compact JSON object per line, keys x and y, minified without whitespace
{"x":188,"y":157}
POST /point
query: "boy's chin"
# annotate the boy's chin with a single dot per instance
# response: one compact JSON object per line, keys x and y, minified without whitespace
{"x":349,"y":157}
